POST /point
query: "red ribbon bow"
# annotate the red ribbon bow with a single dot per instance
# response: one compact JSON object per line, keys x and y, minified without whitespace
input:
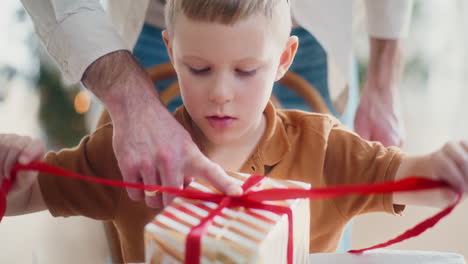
{"x":255,"y":199}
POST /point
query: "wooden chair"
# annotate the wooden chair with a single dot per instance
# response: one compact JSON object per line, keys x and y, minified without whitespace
{"x":290,"y":80}
{"x":165,"y":71}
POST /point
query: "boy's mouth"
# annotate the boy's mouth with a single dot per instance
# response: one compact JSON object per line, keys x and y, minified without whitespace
{"x":220,"y":121}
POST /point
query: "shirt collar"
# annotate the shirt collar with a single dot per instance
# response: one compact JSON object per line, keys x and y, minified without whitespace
{"x":273,"y":145}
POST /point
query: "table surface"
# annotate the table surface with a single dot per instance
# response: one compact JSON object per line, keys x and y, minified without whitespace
{"x":388,"y":256}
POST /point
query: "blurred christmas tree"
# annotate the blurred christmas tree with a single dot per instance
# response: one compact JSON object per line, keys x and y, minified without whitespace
{"x":61,"y":123}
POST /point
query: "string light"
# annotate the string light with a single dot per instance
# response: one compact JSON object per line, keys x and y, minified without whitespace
{"x":82,"y":102}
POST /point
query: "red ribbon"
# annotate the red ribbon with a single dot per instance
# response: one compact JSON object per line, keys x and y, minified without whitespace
{"x":255,"y":199}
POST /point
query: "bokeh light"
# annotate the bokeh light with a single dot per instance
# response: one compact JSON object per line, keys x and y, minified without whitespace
{"x":82,"y":102}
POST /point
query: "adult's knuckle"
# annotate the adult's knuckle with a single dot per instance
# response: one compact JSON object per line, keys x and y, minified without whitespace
{"x":459,"y":161}
{"x":449,"y":195}
{"x":464,"y":142}
{"x":128,"y":165}
{"x":216,"y":167}
{"x":205,"y":170}
{"x":145,"y":163}
{"x":448,"y":146}
{"x":163,"y":157}
{"x":163,"y":152}
{"x":187,"y":149}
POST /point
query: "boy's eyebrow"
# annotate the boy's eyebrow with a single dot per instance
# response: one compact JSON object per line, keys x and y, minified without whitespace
{"x":248,"y":60}
{"x":191,"y":57}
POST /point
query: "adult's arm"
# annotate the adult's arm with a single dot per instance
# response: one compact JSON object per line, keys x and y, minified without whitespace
{"x":149,"y":144}
{"x":74,"y":32}
{"x":378,"y":117}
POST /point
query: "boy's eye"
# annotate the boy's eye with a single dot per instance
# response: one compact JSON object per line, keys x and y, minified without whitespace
{"x":199,"y":70}
{"x":246,"y":73}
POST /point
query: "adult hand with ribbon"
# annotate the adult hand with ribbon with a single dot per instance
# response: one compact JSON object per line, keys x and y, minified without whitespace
{"x":15,"y":149}
{"x":148,"y":142}
{"x":255,"y":199}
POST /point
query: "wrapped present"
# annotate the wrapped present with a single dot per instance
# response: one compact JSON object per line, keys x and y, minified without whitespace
{"x":237,"y":234}
{"x":388,"y":256}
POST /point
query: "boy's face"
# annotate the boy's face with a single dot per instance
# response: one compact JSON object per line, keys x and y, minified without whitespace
{"x":226,"y":72}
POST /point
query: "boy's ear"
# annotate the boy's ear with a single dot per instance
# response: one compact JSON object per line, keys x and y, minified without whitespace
{"x":167,"y":42}
{"x":287,"y":57}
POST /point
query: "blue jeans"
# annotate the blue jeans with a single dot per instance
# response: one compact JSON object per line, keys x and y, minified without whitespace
{"x":310,"y":63}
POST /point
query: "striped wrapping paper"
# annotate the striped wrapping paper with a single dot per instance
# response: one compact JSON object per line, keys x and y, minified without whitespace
{"x":238,"y":235}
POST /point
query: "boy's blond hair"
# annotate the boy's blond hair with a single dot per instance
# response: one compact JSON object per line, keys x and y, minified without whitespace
{"x":222,"y":11}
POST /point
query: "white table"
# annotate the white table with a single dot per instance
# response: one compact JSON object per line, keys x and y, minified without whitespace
{"x":387,"y":256}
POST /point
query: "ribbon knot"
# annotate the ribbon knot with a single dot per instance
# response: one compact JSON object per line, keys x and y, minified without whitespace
{"x":193,"y":242}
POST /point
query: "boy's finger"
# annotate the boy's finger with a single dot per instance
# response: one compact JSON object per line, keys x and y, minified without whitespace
{"x":33,"y":151}
{"x":450,"y":172}
{"x":18,"y":144}
{"x":7,"y":141}
{"x":456,"y":153}
{"x":3,"y":155}
{"x":464,"y":145}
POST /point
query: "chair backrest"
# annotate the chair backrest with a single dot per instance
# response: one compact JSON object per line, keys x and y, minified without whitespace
{"x":290,"y":80}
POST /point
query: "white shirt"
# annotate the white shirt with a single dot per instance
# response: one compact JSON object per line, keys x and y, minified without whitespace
{"x":78,"y":32}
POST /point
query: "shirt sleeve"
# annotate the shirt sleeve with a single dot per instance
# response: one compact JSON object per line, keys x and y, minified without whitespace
{"x":74,"y":32}
{"x":352,"y":160}
{"x":71,"y":197}
{"x":388,"y":19}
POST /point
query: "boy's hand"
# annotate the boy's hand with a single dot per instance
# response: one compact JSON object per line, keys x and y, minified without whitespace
{"x":450,"y":163}
{"x":13,"y":149}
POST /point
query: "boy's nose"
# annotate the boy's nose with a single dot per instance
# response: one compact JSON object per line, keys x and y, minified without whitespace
{"x":221,"y":91}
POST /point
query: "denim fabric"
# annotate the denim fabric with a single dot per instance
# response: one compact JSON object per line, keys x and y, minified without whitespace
{"x":311,"y":64}
{"x":150,"y":51}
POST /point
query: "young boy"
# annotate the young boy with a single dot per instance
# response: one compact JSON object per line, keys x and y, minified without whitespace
{"x":227,"y":55}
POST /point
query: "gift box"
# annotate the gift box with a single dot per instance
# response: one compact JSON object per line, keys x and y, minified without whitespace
{"x":236,"y":235}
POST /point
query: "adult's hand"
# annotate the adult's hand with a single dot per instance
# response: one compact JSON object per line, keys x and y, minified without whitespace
{"x":151,"y":147}
{"x":378,"y":116}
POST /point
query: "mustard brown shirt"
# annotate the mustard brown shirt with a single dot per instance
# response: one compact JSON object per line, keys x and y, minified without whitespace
{"x":296,"y":145}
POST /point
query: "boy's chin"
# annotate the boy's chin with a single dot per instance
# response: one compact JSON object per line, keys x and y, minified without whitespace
{"x":221,"y":139}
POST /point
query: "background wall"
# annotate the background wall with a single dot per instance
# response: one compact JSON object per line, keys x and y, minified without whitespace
{"x":433,"y":96}
{"x":434,"y":101}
